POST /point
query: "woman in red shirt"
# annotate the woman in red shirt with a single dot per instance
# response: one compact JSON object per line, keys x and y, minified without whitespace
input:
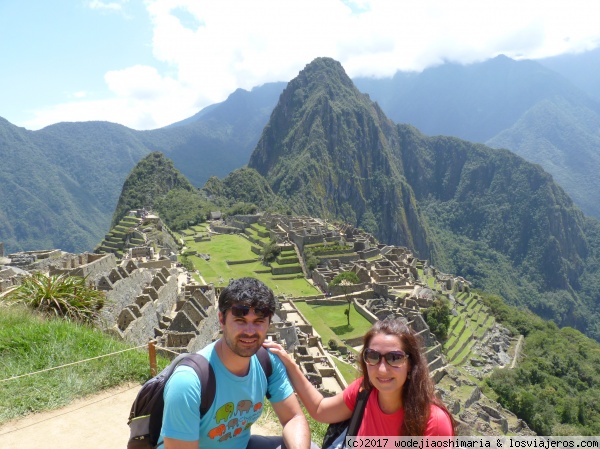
{"x":402,"y":400}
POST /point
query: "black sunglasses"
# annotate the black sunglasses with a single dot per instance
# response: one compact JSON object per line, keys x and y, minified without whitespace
{"x":241,"y":311}
{"x":393,"y":358}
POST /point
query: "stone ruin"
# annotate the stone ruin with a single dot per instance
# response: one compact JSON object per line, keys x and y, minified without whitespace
{"x":10,"y":277}
{"x":193,"y":321}
{"x":29,"y":260}
{"x":390,"y":285}
{"x":149,"y":302}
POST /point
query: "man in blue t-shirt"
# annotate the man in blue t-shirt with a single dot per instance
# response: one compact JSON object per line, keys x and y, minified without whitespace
{"x":245,"y":309}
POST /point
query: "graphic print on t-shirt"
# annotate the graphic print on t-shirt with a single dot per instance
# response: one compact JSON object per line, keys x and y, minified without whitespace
{"x":231,"y":420}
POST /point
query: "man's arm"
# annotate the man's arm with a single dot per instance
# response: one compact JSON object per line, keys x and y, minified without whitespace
{"x":181,"y":414}
{"x":296,"y":433}
{"x":170,"y":443}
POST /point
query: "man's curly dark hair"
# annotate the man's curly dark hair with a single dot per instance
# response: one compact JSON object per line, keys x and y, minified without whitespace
{"x":249,"y":292}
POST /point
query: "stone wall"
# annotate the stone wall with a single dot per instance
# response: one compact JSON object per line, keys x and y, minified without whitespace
{"x":166,"y":263}
{"x":222,"y":229}
{"x":122,"y":290}
{"x":366,"y":254}
{"x":142,"y":251}
{"x":286,"y":269}
{"x":362,"y":310}
{"x":38,"y":259}
{"x":87,"y":265}
{"x":9,"y":278}
{"x":246,"y":219}
{"x":207,"y":332}
{"x":285,"y":333}
{"x":138,"y":319}
{"x":351,"y":257}
{"x":337,"y":290}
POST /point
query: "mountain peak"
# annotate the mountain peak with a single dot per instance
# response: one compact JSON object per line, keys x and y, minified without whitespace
{"x":326,"y":151}
{"x":152,"y":178}
{"x":323,"y":72}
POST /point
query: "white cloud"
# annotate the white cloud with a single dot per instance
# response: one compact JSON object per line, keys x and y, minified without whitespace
{"x":228,"y":44}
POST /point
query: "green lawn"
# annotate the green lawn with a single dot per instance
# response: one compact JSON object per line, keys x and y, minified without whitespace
{"x":349,"y":372}
{"x":233,"y":247}
{"x":330,"y":322}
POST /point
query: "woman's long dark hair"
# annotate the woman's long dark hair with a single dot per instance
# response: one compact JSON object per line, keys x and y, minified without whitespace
{"x":418,"y":392}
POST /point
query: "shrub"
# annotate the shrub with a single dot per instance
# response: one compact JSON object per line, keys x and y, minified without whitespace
{"x":62,"y":295}
{"x":270,"y":252}
{"x":437,"y":318}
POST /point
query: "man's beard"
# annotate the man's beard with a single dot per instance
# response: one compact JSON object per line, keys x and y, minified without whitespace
{"x":241,"y":349}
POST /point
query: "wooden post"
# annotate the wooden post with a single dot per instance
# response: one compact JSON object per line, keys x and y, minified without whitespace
{"x":152,"y":357}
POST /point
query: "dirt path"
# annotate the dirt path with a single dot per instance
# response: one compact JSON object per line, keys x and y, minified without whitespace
{"x":99,"y":421}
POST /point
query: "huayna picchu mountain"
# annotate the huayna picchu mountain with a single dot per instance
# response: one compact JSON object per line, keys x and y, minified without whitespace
{"x":471,"y":209}
{"x":329,"y":151}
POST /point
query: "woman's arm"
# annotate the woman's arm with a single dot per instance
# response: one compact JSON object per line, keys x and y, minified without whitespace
{"x":326,"y":410}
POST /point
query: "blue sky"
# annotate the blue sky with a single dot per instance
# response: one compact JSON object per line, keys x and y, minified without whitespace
{"x":146,"y":64}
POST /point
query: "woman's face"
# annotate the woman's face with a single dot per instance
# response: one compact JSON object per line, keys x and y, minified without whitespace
{"x":386,"y":378}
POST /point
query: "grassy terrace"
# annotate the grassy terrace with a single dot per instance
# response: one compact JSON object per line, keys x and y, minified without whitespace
{"x":251,"y":231}
{"x":470,"y":326}
{"x":30,"y":343}
{"x":330,"y":322}
{"x":258,"y":228}
{"x":233,"y":247}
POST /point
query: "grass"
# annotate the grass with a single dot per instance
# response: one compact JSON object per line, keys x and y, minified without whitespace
{"x":330,"y":322}
{"x":234,"y":247}
{"x":269,"y":419}
{"x":349,"y":372}
{"x":30,"y":343}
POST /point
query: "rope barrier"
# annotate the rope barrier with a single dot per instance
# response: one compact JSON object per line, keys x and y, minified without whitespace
{"x":168,"y":350}
{"x":73,"y":363}
{"x":70,"y":410}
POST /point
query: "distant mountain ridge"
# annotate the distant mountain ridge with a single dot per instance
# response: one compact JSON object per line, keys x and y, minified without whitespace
{"x":581,"y":69}
{"x":66,"y":196}
{"x":331,"y":152}
{"x":474,"y":102}
{"x":519,"y":105}
{"x":59,"y":186}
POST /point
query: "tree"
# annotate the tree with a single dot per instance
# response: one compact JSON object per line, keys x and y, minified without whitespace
{"x":62,"y":295}
{"x":311,"y":260}
{"x":437,"y":318}
{"x":270,"y":252}
{"x":187,"y":263}
{"x":345,"y":279}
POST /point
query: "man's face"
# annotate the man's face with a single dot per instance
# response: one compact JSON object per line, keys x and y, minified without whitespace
{"x":244,"y":334}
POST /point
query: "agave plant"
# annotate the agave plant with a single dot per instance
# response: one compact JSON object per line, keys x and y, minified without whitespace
{"x":62,"y":295}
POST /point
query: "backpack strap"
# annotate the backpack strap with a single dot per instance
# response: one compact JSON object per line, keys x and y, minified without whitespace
{"x":206,"y":374}
{"x":357,"y":413}
{"x":265,"y":362}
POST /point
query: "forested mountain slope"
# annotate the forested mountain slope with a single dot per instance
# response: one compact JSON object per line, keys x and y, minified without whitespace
{"x":469,"y":208}
{"x":520,"y":105}
{"x":59,"y":186}
{"x":328,"y":150}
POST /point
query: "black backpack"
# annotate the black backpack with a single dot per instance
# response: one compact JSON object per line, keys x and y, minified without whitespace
{"x":349,"y":427}
{"x":145,"y":417}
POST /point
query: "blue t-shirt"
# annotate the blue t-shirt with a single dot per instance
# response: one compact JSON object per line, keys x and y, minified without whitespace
{"x":237,"y":405}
